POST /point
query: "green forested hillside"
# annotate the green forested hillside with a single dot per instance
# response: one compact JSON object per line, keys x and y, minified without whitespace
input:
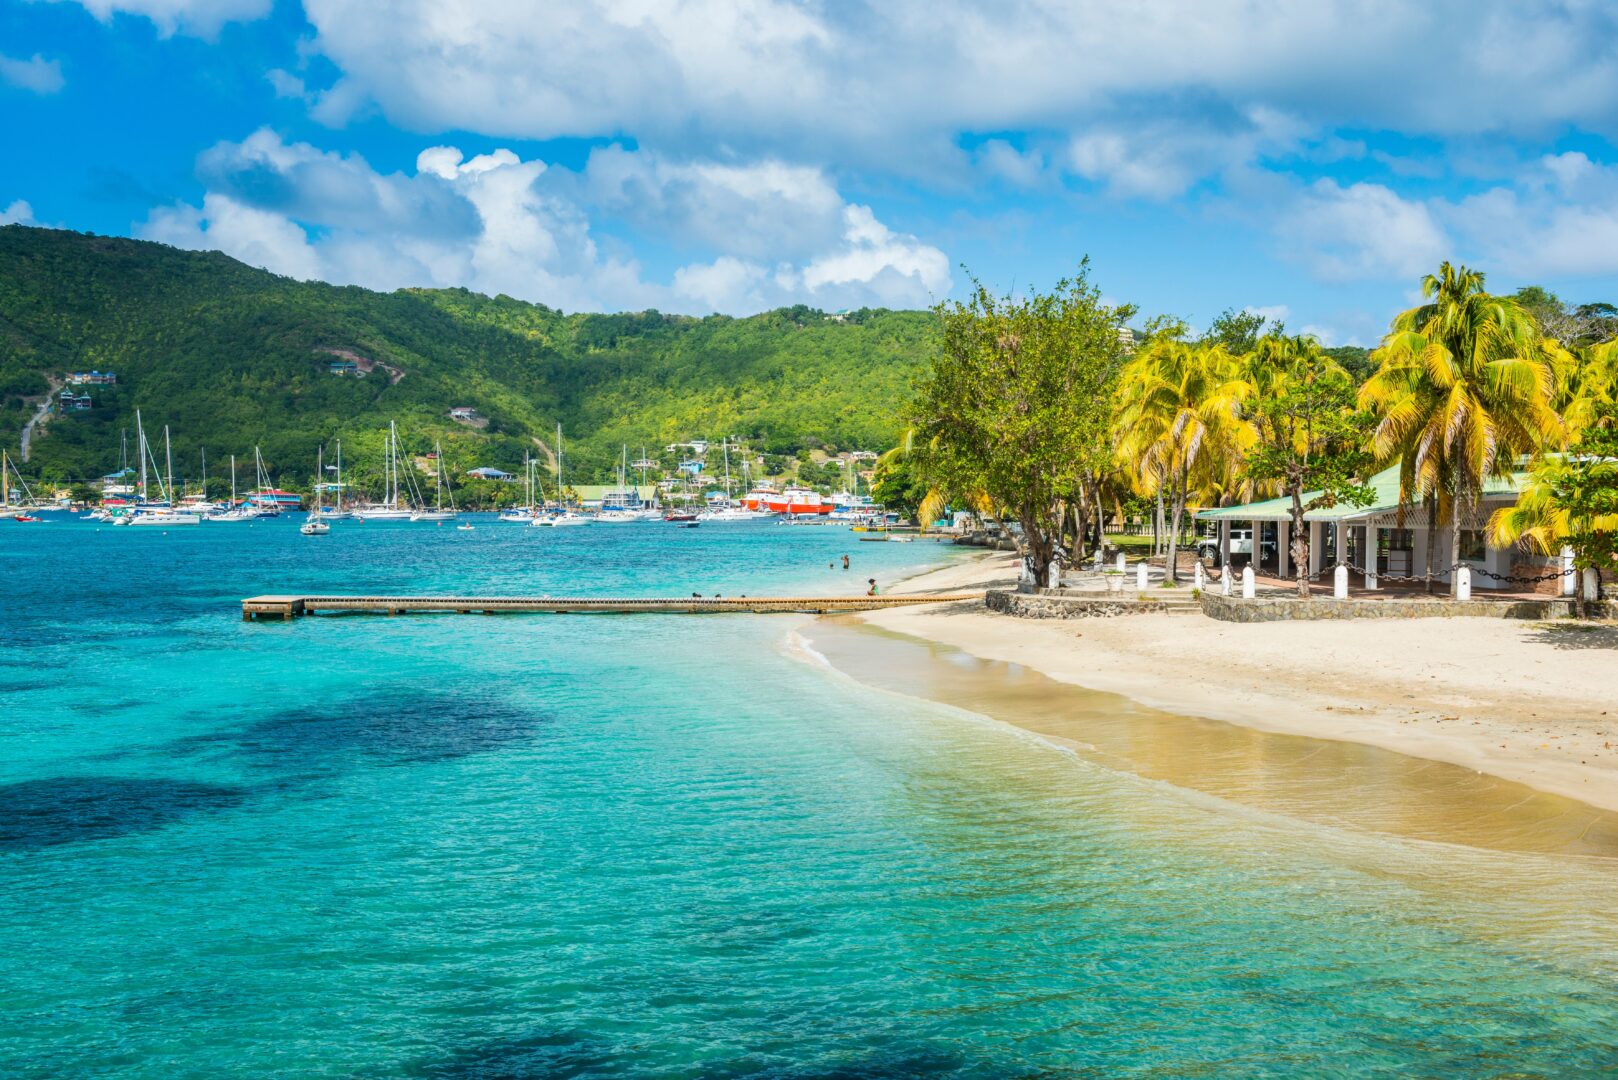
{"x":230,"y":357}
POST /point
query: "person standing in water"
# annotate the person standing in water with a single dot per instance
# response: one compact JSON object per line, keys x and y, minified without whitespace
{"x":845,"y":562}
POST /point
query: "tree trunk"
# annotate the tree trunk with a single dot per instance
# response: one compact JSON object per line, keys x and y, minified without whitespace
{"x":1081,"y":523}
{"x":1157,"y":522}
{"x":1039,"y":548}
{"x":1300,"y":542}
{"x":1171,"y":569}
{"x":1455,"y":505}
{"x":1432,"y":538}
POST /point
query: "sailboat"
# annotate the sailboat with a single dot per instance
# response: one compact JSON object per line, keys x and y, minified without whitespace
{"x":159,"y":513}
{"x":335,"y":511}
{"x":198,"y":502}
{"x":314,"y":526}
{"x":724,"y":509}
{"x":530,"y":508}
{"x":438,"y":513}
{"x":623,"y":505}
{"x":6,"y":509}
{"x":239,"y":511}
{"x":566,"y":516}
{"x":389,"y":509}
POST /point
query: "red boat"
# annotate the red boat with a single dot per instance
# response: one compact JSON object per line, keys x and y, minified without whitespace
{"x":794,"y":500}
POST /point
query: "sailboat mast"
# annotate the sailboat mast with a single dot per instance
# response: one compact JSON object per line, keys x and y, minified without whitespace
{"x":233,"y":481}
{"x":140,"y":452}
{"x":5,"y":479}
{"x":168,"y":459}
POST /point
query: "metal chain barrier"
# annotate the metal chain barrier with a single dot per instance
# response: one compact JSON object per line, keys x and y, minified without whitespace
{"x":1513,"y":579}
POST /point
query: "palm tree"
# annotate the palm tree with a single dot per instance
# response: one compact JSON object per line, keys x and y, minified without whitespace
{"x":1571,"y":503}
{"x":1179,"y":423}
{"x":1587,"y":386}
{"x":1298,"y":394}
{"x":1463,"y":388}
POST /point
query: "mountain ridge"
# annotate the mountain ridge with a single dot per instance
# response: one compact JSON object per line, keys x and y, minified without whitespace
{"x":230,"y":357}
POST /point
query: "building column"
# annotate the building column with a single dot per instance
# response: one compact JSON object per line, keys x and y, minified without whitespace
{"x":1283,"y":538}
{"x":1224,"y":544}
{"x":1317,"y":546}
{"x":1252,"y":557}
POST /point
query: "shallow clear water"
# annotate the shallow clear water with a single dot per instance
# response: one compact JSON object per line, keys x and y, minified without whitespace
{"x":672,"y":846}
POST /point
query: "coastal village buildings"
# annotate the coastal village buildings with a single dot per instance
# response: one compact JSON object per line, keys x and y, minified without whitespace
{"x":1387,"y":538}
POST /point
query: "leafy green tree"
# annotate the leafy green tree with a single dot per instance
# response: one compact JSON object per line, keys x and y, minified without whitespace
{"x":1237,"y":332}
{"x":1019,"y":397}
{"x":1310,"y":436}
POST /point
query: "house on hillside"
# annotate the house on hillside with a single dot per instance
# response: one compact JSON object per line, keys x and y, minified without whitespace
{"x":483,"y":472}
{"x":71,"y":402}
{"x":1386,"y":537}
{"x":463,"y":413}
{"x":339,"y":366}
{"x":91,"y":378}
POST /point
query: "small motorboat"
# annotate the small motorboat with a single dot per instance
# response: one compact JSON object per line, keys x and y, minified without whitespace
{"x":24,"y":517}
{"x":690,"y":524}
{"x":463,"y":527}
{"x":314,"y":528}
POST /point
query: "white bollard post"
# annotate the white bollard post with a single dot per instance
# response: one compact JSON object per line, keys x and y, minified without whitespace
{"x":1099,"y":560}
{"x":1120,"y":562}
{"x":1140,"y":575}
{"x":1053,"y":575}
{"x":1570,"y":576}
{"x":1027,"y":576}
{"x":1201,"y":576}
{"x":1339,"y":583}
{"x":1249,"y":588}
{"x":1592,"y":584}
{"x":1463,"y":583}
{"x":1224,"y":582}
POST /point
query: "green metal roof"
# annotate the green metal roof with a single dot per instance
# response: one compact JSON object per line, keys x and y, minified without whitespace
{"x":1385,"y":488}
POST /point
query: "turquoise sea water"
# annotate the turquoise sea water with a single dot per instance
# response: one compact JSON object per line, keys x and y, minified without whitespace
{"x":671,"y":846}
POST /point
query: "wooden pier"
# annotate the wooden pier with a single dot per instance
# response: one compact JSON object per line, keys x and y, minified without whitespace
{"x":291,"y":607}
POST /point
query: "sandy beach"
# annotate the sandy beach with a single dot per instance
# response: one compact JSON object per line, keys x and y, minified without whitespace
{"x":1531,"y":702}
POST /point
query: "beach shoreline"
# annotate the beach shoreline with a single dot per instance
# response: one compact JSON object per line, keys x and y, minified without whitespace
{"x":1528,"y":702}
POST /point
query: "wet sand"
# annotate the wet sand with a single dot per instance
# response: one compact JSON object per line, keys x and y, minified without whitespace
{"x":1327,"y":782}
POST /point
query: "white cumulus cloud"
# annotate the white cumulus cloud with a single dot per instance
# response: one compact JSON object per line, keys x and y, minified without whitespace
{"x":1361,"y":231}
{"x":896,"y":82}
{"x":38,"y":74}
{"x":763,"y":234}
{"x":18,"y":213}
{"x":201,"y":18}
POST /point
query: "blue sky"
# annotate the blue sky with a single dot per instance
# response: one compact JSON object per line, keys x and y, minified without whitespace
{"x":1311,"y":161}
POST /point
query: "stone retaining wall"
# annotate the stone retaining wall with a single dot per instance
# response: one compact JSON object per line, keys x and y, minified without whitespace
{"x":1049,"y":604}
{"x":1235,"y":609}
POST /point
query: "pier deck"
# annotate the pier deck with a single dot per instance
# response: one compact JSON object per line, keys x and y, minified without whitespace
{"x":289,"y":607}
